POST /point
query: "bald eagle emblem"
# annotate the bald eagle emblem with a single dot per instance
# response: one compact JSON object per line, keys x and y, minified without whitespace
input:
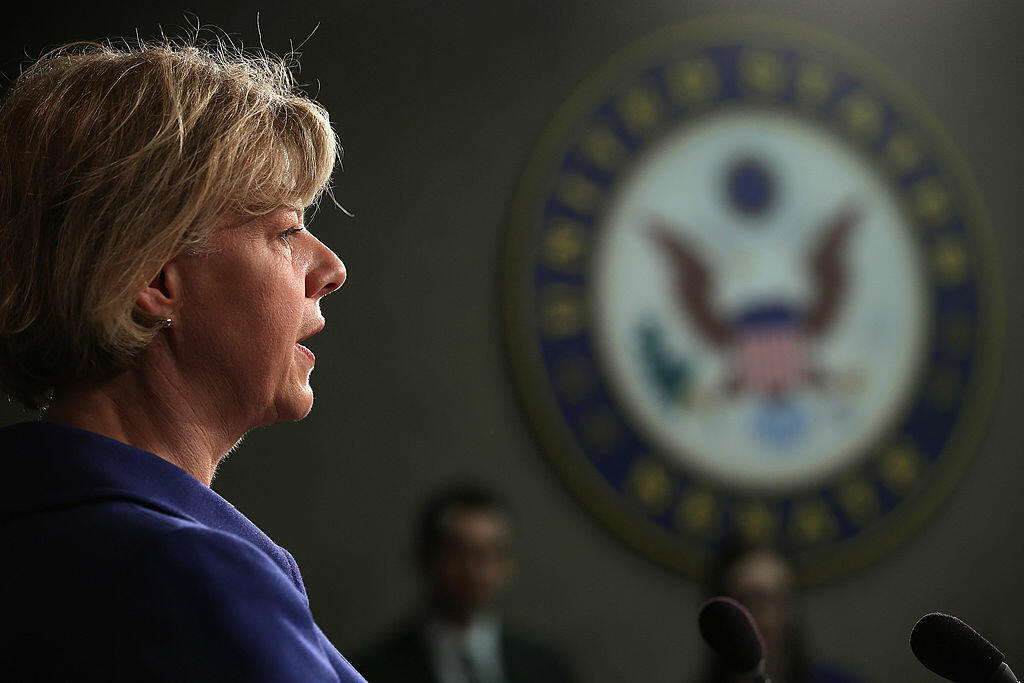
{"x":749,"y":296}
{"x":767,"y":339}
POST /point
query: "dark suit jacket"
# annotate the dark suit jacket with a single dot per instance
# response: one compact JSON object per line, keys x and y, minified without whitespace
{"x":119,"y":566}
{"x":405,"y":658}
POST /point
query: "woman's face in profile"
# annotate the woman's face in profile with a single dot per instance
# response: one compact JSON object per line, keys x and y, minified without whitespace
{"x":246,"y":304}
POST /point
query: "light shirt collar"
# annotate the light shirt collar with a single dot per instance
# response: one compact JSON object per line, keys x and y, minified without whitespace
{"x":479,"y":642}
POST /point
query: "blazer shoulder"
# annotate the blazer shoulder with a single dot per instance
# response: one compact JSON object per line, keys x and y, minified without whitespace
{"x":223,"y":601}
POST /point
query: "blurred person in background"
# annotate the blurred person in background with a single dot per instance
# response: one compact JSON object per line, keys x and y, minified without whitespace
{"x":156,"y":281}
{"x":761,"y":579}
{"x":466,"y":562}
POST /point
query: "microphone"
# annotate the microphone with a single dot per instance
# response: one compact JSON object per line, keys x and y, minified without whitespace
{"x":955,"y":651}
{"x":731,"y":632}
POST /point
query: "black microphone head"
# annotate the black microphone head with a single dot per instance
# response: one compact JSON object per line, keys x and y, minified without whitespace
{"x":731,"y":632}
{"x":954,"y":650}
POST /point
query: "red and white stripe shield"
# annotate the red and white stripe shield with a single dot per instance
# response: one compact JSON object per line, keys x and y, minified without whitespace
{"x":770,"y":358}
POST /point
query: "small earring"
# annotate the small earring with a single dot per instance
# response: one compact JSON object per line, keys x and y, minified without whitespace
{"x":167,"y":323}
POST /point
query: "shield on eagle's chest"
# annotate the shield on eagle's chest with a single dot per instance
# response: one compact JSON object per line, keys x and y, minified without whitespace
{"x":770,"y":352}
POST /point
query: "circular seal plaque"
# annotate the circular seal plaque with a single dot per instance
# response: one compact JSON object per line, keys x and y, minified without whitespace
{"x":750,"y":294}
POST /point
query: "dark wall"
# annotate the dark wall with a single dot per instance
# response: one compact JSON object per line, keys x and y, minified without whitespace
{"x":438,"y":105}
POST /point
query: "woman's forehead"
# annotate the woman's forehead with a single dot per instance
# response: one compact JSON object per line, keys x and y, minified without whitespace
{"x":286,"y":214}
{"x":282,"y":217}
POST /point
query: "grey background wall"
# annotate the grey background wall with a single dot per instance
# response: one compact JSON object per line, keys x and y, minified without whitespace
{"x":438,"y":105}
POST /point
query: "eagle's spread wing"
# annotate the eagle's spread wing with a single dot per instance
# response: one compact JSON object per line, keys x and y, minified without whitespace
{"x":693,"y":284}
{"x":827,"y":270}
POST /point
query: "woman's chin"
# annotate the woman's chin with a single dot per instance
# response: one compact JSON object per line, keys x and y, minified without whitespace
{"x":302,"y":406}
{"x":294,"y":406}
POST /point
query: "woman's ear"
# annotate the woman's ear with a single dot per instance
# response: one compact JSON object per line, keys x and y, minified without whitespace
{"x":162,"y":296}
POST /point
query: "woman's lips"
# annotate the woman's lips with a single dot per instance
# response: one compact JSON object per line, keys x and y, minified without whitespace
{"x":306,"y":352}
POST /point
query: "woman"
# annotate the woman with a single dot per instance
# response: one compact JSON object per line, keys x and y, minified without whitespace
{"x":156,"y":281}
{"x":762,"y":580}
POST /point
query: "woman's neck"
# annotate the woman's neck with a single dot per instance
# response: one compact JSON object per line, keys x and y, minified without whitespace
{"x":150,"y":411}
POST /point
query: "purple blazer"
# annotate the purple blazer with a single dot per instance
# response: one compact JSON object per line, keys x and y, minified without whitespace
{"x":116,"y":565}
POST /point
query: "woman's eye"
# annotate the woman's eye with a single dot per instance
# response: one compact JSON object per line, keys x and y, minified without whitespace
{"x":288,"y":233}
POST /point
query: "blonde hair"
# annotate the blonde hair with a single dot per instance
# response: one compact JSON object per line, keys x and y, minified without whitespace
{"x":112,"y":161}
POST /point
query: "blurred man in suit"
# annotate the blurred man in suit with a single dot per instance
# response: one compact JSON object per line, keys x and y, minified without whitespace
{"x":465,"y":558}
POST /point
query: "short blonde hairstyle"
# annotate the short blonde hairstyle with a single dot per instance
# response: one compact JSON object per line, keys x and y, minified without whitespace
{"x":113,"y":160}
